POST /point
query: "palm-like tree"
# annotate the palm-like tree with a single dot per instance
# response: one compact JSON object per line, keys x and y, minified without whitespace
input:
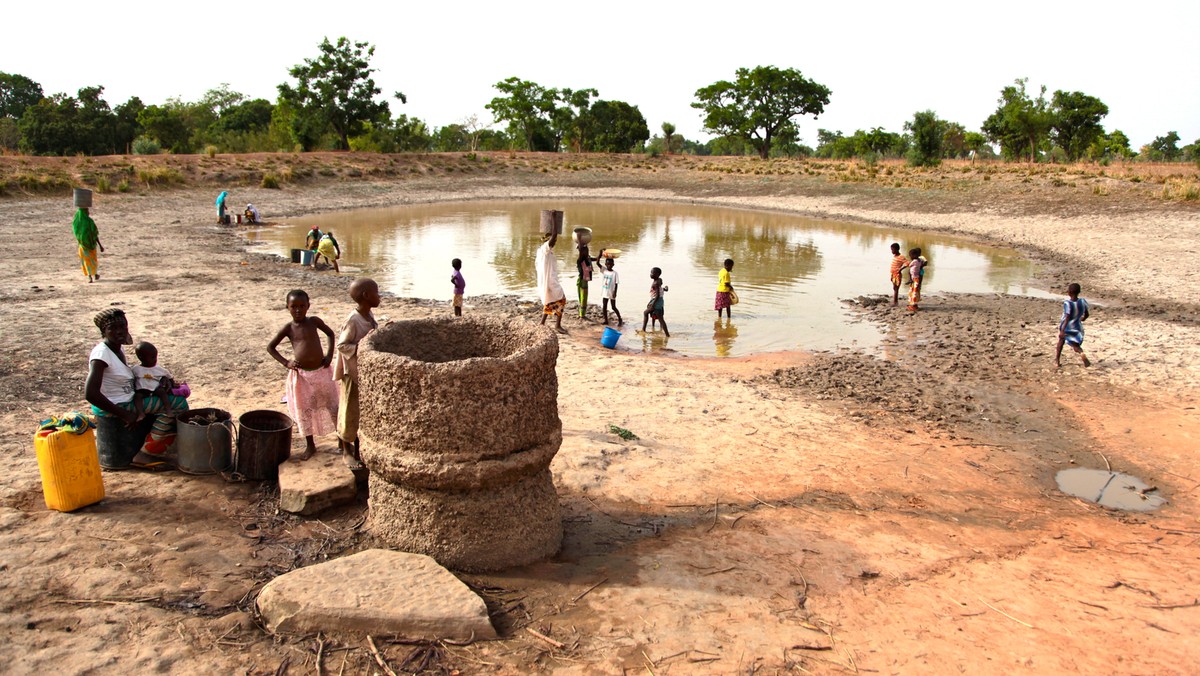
{"x":668,"y":131}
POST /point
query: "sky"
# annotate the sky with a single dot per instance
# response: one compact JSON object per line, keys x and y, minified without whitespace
{"x":883,"y":61}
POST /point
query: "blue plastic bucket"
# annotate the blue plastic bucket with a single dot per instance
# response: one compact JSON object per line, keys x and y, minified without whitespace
{"x":306,"y":257}
{"x":609,"y":339}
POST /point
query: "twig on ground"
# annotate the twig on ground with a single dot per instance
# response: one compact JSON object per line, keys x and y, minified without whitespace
{"x":716,"y":515}
{"x":1172,"y":606}
{"x":762,"y":502}
{"x":649,"y":662}
{"x":1107,"y":464}
{"x":378,"y":657}
{"x":545,"y":638}
{"x":1004,"y":613}
{"x":723,"y":570}
{"x":802,"y":646}
{"x":588,"y":590}
{"x":320,"y":655}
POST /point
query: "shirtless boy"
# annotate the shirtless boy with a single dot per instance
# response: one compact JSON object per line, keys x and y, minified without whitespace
{"x":312,"y":394}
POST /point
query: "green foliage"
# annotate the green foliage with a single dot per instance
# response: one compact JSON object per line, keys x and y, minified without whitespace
{"x":269,"y":181}
{"x":612,"y":127}
{"x":10,"y":134}
{"x":668,"y":131}
{"x":1165,"y":148}
{"x":623,"y":433}
{"x":527,"y":107}
{"x":159,"y":176}
{"x":144,"y":145}
{"x":211,"y":150}
{"x":928,"y":134}
{"x":335,"y":92}
{"x":17,"y":93}
{"x":168,"y":125}
{"x":1108,"y":147}
{"x":65,"y":125}
{"x":759,"y":103}
{"x":1021,"y":125}
{"x":1075,"y":121}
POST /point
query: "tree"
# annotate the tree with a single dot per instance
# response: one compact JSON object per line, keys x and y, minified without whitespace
{"x":1165,"y":147}
{"x":974,"y":142}
{"x":127,"y":127}
{"x":1109,"y":146}
{"x":167,"y":125}
{"x":526,"y":107}
{"x":1020,"y":124}
{"x":570,"y":122}
{"x":759,"y":103}
{"x":668,"y":131}
{"x":1075,"y":121}
{"x":17,"y":93}
{"x":615,"y":127}
{"x":65,"y":125}
{"x":928,"y":135}
{"x":335,"y":91}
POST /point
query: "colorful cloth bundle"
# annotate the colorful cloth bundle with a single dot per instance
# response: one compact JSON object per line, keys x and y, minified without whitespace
{"x":72,"y":421}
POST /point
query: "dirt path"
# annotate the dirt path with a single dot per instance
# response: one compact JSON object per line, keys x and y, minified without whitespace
{"x":830,"y":512}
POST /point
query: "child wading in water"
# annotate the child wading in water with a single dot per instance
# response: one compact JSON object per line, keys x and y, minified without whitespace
{"x":365,"y":293}
{"x":724,"y":300}
{"x":916,"y":268}
{"x":898,"y":264}
{"x":1070,"y":327}
{"x":460,"y":285}
{"x":654,"y":309}
{"x":611,"y":280}
{"x":311,"y":392}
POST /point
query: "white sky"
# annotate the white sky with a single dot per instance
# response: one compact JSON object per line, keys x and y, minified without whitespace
{"x":883,"y":61}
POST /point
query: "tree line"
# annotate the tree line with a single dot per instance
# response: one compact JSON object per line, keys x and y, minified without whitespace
{"x":332,"y":102}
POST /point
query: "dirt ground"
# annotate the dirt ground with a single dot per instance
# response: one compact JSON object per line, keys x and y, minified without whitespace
{"x":815,"y":512}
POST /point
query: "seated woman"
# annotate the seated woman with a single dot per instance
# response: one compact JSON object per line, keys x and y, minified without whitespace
{"x":251,"y":214}
{"x":110,"y":388}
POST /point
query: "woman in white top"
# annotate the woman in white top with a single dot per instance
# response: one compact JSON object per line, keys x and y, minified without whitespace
{"x":110,"y":390}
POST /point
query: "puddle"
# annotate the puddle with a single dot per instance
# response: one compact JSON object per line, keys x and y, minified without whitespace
{"x":1110,"y":489}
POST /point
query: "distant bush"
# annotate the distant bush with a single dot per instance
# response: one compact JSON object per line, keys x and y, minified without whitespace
{"x":211,"y":151}
{"x":159,"y":176}
{"x":270,"y":181}
{"x":102,"y":185}
{"x":123,"y":186}
{"x":144,"y":145}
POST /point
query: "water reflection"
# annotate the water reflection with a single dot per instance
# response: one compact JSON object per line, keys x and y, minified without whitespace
{"x":791,"y":272}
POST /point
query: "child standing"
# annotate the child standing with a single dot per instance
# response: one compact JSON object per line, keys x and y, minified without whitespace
{"x":460,"y":285}
{"x":915,"y":267}
{"x":724,"y":299}
{"x":611,"y":280}
{"x":311,"y":393}
{"x":898,"y":264}
{"x":361,"y":321}
{"x":654,"y":309}
{"x":1070,"y":326}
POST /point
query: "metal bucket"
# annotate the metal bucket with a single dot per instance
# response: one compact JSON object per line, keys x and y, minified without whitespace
{"x":204,"y":441}
{"x":264,"y":440}
{"x":551,"y":221}
{"x":83,"y":198}
{"x":116,"y":444}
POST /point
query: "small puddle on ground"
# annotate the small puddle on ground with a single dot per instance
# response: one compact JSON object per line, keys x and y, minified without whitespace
{"x":1109,"y":489}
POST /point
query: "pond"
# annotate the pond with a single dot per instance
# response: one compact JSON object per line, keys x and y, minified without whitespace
{"x":791,"y":273}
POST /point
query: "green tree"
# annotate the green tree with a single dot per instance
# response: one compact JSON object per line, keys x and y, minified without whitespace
{"x":974,"y":142}
{"x":1075,"y":121}
{"x":527,"y":108}
{"x":928,"y":135}
{"x":1191,"y":152}
{"x":10,"y":134}
{"x":1021,"y":124}
{"x":451,"y":138}
{"x":615,"y":127}
{"x":17,"y":93}
{"x":65,"y":125}
{"x":954,"y":140}
{"x":1165,"y":147}
{"x":247,"y":116}
{"x":1110,"y":146}
{"x":126,"y":126}
{"x":759,"y":103}
{"x":668,"y":131}
{"x":168,"y":125}
{"x":570,"y":121}
{"x":335,"y":91}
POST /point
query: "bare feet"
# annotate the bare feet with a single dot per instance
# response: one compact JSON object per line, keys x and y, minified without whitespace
{"x":1086,"y":361}
{"x":561,"y":330}
{"x":308,"y":453}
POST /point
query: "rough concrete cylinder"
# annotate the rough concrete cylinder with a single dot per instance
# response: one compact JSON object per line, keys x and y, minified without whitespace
{"x":459,"y":426}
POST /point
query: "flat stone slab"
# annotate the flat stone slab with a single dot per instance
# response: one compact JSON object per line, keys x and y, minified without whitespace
{"x":309,"y":486}
{"x":375,"y":592}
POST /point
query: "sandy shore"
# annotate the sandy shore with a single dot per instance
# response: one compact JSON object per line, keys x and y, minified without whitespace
{"x":833,"y":512}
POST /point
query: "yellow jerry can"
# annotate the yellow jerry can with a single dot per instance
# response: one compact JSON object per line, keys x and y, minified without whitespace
{"x":70,"y":469}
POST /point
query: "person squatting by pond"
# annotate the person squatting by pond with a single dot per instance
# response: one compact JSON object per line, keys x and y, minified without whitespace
{"x":110,"y":389}
{"x":312,"y":393}
{"x":330,"y":249}
{"x":88,"y":237}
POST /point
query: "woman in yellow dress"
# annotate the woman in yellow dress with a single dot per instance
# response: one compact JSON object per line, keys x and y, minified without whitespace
{"x":88,"y":237}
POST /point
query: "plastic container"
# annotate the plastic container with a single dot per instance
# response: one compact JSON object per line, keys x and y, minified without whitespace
{"x":582,"y":235}
{"x":296,"y":255}
{"x":610,"y":337}
{"x":204,"y":441}
{"x":116,"y":444}
{"x":611,"y":253}
{"x":306,"y":256}
{"x":264,"y":440}
{"x":83,"y":198}
{"x":70,"y":470}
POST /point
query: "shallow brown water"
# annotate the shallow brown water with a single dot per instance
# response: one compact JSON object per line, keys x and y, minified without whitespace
{"x":791,"y":273}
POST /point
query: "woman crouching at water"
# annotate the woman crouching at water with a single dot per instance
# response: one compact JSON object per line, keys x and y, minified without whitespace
{"x":110,"y":390}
